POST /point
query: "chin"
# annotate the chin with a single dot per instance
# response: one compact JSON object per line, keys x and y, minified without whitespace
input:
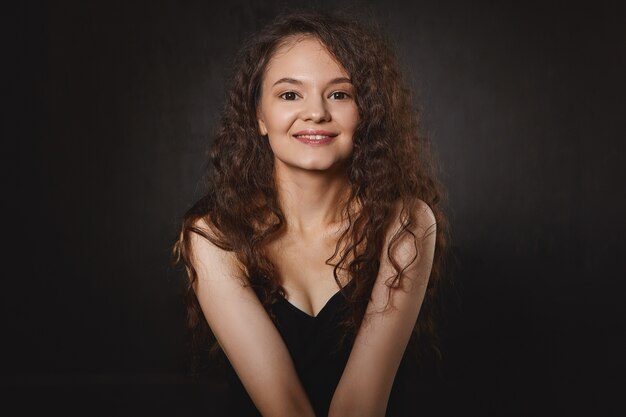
{"x":311,"y":163}
{"x":321,"y":165}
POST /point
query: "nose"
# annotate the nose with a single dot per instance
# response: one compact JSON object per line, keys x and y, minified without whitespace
{"x":315,"y":109}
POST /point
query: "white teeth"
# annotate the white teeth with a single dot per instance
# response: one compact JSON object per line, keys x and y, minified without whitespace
{"x":312,"y":137}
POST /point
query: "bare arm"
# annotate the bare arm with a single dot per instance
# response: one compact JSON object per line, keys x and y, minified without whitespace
{"x":246,"y":333}
{"x":366,"y":382}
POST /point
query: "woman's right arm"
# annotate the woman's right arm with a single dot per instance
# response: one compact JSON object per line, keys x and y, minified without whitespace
{"x":245,"y":332}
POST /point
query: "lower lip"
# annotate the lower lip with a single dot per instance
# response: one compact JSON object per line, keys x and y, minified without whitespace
{"x":314,"y":142}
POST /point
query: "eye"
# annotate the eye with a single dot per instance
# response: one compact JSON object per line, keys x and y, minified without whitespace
{"x":339,"y":95}
{"x":288,"y":95}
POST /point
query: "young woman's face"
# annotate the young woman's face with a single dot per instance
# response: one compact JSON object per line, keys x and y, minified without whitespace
{"x":307,"y":107}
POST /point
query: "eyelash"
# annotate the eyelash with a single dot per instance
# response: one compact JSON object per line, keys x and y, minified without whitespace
{"x":282,"y":95}
{"x":346,"y":95}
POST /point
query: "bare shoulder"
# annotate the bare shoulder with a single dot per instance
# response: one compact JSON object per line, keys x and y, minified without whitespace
{"x":423,"y":223}
{"x":414,"y":250}
{"x":201,"y":234}
{"x":243,"y":328}
{"x":209,"y":257}
{"x":395,"y":302}
{"x":204,"y":225}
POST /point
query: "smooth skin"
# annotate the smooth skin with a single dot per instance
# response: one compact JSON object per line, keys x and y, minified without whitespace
{"x":305,"y":88}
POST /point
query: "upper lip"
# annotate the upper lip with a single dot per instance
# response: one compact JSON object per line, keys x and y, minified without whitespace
{"x":315,"y":132}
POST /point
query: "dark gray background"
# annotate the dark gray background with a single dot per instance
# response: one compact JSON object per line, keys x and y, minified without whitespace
{"x":110,"y":107}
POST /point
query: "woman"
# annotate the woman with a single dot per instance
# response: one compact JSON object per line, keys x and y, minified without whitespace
{"x":321,"y":237}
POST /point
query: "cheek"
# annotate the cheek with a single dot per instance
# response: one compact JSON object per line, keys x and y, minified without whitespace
{"x":349,"y":118}
{"x":280,"y":118}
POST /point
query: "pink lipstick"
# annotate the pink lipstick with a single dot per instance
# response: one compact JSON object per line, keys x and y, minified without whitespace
{"x":315,"y":137}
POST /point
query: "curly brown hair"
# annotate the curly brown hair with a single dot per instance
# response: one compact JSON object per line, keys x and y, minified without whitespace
{"x":391,"y":163}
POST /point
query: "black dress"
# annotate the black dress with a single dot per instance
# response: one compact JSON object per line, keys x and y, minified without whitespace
{"x":312,"y":343}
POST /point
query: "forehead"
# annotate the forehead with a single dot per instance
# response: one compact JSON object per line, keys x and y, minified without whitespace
{"x":305,"y":56}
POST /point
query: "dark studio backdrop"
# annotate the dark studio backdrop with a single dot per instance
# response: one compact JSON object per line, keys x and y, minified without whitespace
{"x":111,"y":108}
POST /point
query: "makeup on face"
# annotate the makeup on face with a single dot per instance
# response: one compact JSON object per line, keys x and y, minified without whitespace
{"x":307,"y":107}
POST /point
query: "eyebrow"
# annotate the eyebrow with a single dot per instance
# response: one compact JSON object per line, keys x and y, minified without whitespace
{"x":338,"y":80}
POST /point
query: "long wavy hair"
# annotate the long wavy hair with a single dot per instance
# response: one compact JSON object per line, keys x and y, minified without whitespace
{"x":391,"y":163}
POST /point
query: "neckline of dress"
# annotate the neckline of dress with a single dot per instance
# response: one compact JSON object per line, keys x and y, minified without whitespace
{"x":319,"y":313}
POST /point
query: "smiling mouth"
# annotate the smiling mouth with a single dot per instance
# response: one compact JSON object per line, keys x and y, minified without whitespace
{"x":315,"y":138}
{"x":312,"y":136}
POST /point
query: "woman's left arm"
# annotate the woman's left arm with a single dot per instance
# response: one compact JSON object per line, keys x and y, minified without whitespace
{"x":367,"y":379}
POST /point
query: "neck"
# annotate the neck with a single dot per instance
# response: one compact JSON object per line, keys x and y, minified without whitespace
{"x":312,"y":201}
